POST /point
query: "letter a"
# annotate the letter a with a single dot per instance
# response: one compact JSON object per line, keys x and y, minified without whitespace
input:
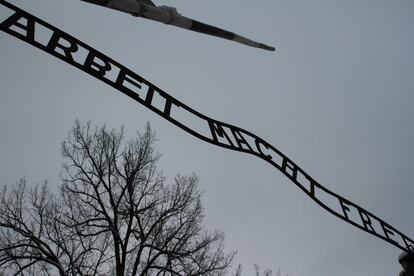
{"x":13,"y":20}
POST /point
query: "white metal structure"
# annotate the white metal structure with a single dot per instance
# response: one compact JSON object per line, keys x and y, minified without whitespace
{"x":169,"y":15}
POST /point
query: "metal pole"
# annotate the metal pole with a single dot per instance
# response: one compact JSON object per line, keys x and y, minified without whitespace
{"x":407,"y":262}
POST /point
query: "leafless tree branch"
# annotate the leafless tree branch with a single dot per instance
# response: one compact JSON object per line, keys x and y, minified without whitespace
{"x":114,"y":215}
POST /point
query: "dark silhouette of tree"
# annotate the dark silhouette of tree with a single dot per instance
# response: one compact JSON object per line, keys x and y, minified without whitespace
{"x":258,"y":272}
{"x":266,"y":272}
{"x":114,"y":215}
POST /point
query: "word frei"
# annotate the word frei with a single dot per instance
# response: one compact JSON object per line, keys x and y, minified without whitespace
{"x":48,"y":38}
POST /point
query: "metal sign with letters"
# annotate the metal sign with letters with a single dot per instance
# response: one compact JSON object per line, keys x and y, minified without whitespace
{"x":24,"y":26}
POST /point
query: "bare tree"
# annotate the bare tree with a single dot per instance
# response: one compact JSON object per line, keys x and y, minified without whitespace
{"x":266,"y":272}
{"x":30,"y":233}
{"x":115,"y":215}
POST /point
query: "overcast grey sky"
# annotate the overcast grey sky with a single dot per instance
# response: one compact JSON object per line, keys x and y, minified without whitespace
{"x":336,"y":97}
